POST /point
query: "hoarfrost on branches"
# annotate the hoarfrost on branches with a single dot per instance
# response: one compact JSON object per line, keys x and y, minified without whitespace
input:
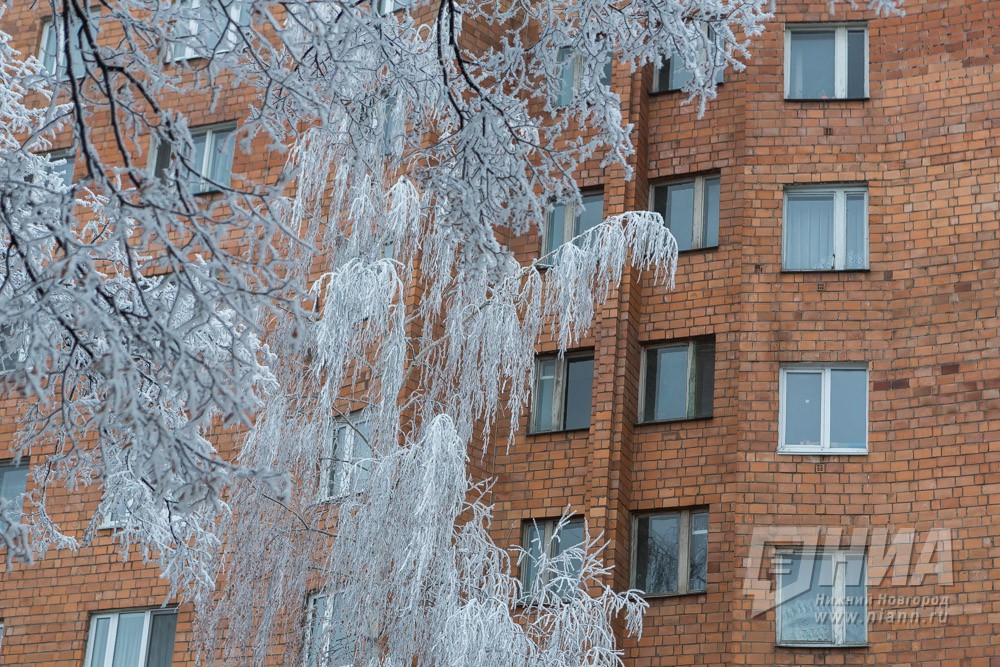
{"x":356,"y":321}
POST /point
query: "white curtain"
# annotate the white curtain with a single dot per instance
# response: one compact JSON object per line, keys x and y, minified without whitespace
{"x":809,"y":231}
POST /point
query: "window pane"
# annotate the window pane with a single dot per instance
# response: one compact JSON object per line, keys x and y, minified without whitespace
{"x":805,"y":616}
{"x":544,"y":387}
{"x":554,"y":230}
{"x":568,"y":75}
{"x":197,"y":161}
{"x":848,"y":408}
{"x":671,"y":383}
{"x":809,"y":231}
{"x":704,"y":380}
{"x":803,"y":408}
{"x":64,"y":170}
{"x":361,"y":456}
{"x":661,"y":78}
{"x":76,"y":41}
{"x":161,"y":639}
{"x":534,"y":539}
{"x":340,"y":456}
{"x":856,"y":63}
{"x":128,"y":639}
{"x":221,"y":166}
{"x":50,"y":49}
{"x":13,"y":482}
{"x":857,"y":232}
{"x":591,"y":215}
{"x":710,"y":231}
{"x":606,"y":72}
{"x":680,"y":213}
{"x":100,"y":645}
{"x":679,"y":75}
{"x":812,"y":61}
{"x":657,"y":549}
{"x":699,"y":552}
{"x":855,"y":609}
{"x":579,"y":392}
{"x":570,"y":537}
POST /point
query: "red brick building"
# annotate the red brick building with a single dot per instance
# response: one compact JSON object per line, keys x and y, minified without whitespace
{"x":836,"y":320}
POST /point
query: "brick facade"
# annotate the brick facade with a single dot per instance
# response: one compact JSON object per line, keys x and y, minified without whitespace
{"x":925,"y":318}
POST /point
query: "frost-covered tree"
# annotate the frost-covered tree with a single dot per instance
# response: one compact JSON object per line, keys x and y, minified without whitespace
{"x":354,"y":318}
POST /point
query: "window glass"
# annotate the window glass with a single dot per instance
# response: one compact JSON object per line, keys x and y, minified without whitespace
{"x":13,"y":482}
{"x":100,"y":646}
{"x":856,"y":51}
{"x":711,"y":225}
{"x":591,"y":215}
{"x":361,"y":454}
{"x":680,"y":214}
{"x":128,"y":640}
{"x":579,"y":392}
{"x":809,"y":230}
{"x":806,"y":582}
{"x":534,"y":542}
{"x":198,"y":160}
{"x":657,"y":548}
{"x":857,"y":231}
{"x":161,"y":640}
{"x":569,"y":537}
{"x":803,"y":408}
{"x":704,"y":379}
{"x":698,"y":552}
{"x":848,"y":408}
{"x":568,"y":76}
{"x":813,"y":60}
{"x":50,"y":49}
{"x":554,"y":232}
{"x":544,"y":390}
{"x":220,"y":166}
{"x":671,"y":381}
{"x":855,"y":589}
{"x":679,"y":75}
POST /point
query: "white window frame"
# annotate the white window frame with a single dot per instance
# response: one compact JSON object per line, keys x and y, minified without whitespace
{"x":69,"y":155}
{"x":577,"y":63}
{"x":668,"y":64}
{"x":210,"y":132}
{"x":548,"y":531}
{"x":9,"y":464}
{"x":839,"y":593}
{"x":824,"y":446}
{"x":698,"y":214}
{"x":9,"y":359}
{"x":61,"y":72}
{"x":840,"y":31}
{"x":839,"y":193}
{"x":683,"y":550}
{"x":180,"y":51}
{"x":691,"y":374}
{"x":386,"y":7}
{"x":558,"y":391}
{"x":337,"y":472}
{"x":113,"y":631}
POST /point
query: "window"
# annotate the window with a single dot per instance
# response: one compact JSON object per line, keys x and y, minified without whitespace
{"x":572,"y":74}
{"x":53,"y":52}
{"x":64,"y":165}
{"x":826,"y":228}
{"x":391,"y":131}
{"x":326,"y":643}
{"x":211,"y":161}
{"x":568,"y":222}
{"x":350,"y":461}
{"x":821,"y":598}
{"x":826,"y":62}
{"x":670,"y":552}
{"x":202,"y":32}
{"x":678,"y":381}
{"x":12,"y":351}
{"x":132,"y":639}
{"x":824,"y":410}
{"x":552,"y":539}
{"x":13,"y":483}
{"x":673,"y":75}
{"x":564,"y":389}
{"x":390,"y":6}
{"x":690,"y":209}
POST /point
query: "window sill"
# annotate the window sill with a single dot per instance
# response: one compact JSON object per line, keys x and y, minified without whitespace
{"x":864,"y":270}
{"x":827,"y":99}
{"x":789,"y":645}
{"x":668,"y":596}
{"x":669,"y":91}
{"x":802,"y":451}
{"x":558,"y":431}
{"x":708,"y":248}
{"x":655,"y":422}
